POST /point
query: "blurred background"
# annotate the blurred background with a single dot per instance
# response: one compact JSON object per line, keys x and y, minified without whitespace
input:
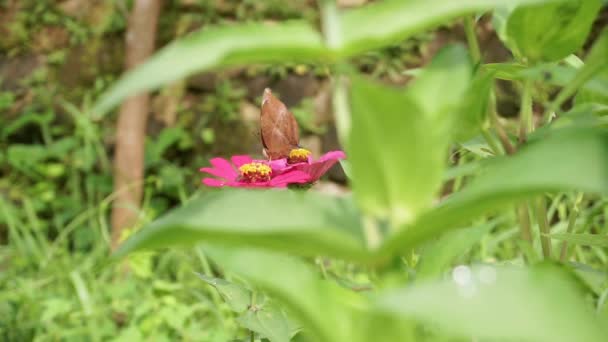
{"x":56,"y":172}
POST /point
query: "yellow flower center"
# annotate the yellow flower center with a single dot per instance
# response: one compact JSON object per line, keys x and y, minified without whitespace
{"x":255,"y":172}
{"x":298,"y":155}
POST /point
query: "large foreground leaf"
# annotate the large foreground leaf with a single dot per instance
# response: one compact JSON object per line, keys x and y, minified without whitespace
{"x":574,"y":159}
{"x":215,"y":47}
{"x":326,"y":312}
{"x":436,"y":257}
{"x":290,"y":41}
{"x":320,"y":306}
{"x":305,"y":223}
{"x":495,"y":303}
{"x":399,"y":138}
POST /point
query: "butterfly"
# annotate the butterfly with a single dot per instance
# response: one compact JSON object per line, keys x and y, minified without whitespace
{"x":278,"y":127}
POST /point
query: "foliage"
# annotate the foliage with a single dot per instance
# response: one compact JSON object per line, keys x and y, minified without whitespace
{"x":374,"y":264}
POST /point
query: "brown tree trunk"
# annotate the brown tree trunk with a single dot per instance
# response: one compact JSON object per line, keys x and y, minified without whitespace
{"x":132,"y":118}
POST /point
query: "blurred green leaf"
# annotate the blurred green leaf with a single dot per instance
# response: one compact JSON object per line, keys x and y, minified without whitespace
{"x":399,"y":139}
{"x":346,"y":167}
{"x":569,"y":159}
{"x":496,"y":303}
{"x":270,"y":321}
{"x":550,"y":32}
{"x":438,"y":256}
{"x":320,"y":306}
{"x":595,"y":280}
{"x":219,"y":46}
{"x":582,"y":239}
{"x":472,"y":115}
{"x":290,"y":41}
{"x":400,"y":19}
{"x":595,"y":73}
{"x":236,"y":296}
{"x":505,"y":71}
{"x":550,"y":73}
{"x":305,"y":223}
{"x":586,"y":115}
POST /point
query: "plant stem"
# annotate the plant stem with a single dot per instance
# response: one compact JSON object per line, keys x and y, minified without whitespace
{"x":525,"y":117}
{"x":491,"y":142}
{"x":469,"y":29}
{"x":524,"y":223}
{"x":341,"y":109}
{"x":571,"y":222}
{"x":371,"y":231}
{"x":330,"y":23}
{"x":251,"y":305}
{"x":500,"y":131}
{"x":458,"y":180}
{"x":543,"y":224}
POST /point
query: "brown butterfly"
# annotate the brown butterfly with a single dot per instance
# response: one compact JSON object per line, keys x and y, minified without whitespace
{"x":278,"y":127}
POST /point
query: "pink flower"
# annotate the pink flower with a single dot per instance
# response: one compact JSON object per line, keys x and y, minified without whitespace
{"x":301,"y":160}
{"x":245,"y":172}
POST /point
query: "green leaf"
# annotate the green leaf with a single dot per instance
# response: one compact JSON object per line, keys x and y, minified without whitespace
{"x":582,"y":239}
{"x":586,"y":115}
{"x":594,"y":279}
{"x":550,"y":73}
{"x":219,"y":46}
{"x":318,"y":305}
{"x":290,"y":41}
{"x":399,"y":139}
{"x":550,"y":32}
{"x":305,"y":223}
{"x":595,"y":71}
{"x":346,"y":167}
{"x":496,"y":303}
{"x":472,"y":115}
{"x":438,"y":256}
{"x":572,"y":159}
{"x":237,"y":297}
{"x":401,"y":19}
{"x":268,"y":320}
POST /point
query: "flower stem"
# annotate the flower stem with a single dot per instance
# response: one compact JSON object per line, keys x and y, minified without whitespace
{"x":525,"y":117}
{"x":500,"y":131}
{"x":330,"y":23}
{"x":543,"y":224}
{"x":372,"y":233}
{"x":526,"y":126}
{"x":491,"y":142}
{"x":469,"y":29}
{"x":524,"y":222}
{"x":341,"y":109}
{"x":571,"y":222}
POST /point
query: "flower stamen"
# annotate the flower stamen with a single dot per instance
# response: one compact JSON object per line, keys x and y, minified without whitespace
{"x":255,"y":172}
{"x":298,"y":155}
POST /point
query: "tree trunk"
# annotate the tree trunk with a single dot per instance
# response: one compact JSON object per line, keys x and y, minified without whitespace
{"x":132,"y":118}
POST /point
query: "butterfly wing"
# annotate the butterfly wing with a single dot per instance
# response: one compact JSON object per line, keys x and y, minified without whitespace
{"x":278,"y":127}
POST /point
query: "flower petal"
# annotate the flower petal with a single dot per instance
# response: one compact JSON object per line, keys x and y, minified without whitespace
{"x":278,"y":164}
{"x":239,"y":161}
{"x":223,"y":166}
{"x":290,"y":177}
{"x":213,"y":182}
{"x":250,"y":185}
{"x":317,"y":169}
{"x":335,"y":155}
{"x":215,"y":172}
